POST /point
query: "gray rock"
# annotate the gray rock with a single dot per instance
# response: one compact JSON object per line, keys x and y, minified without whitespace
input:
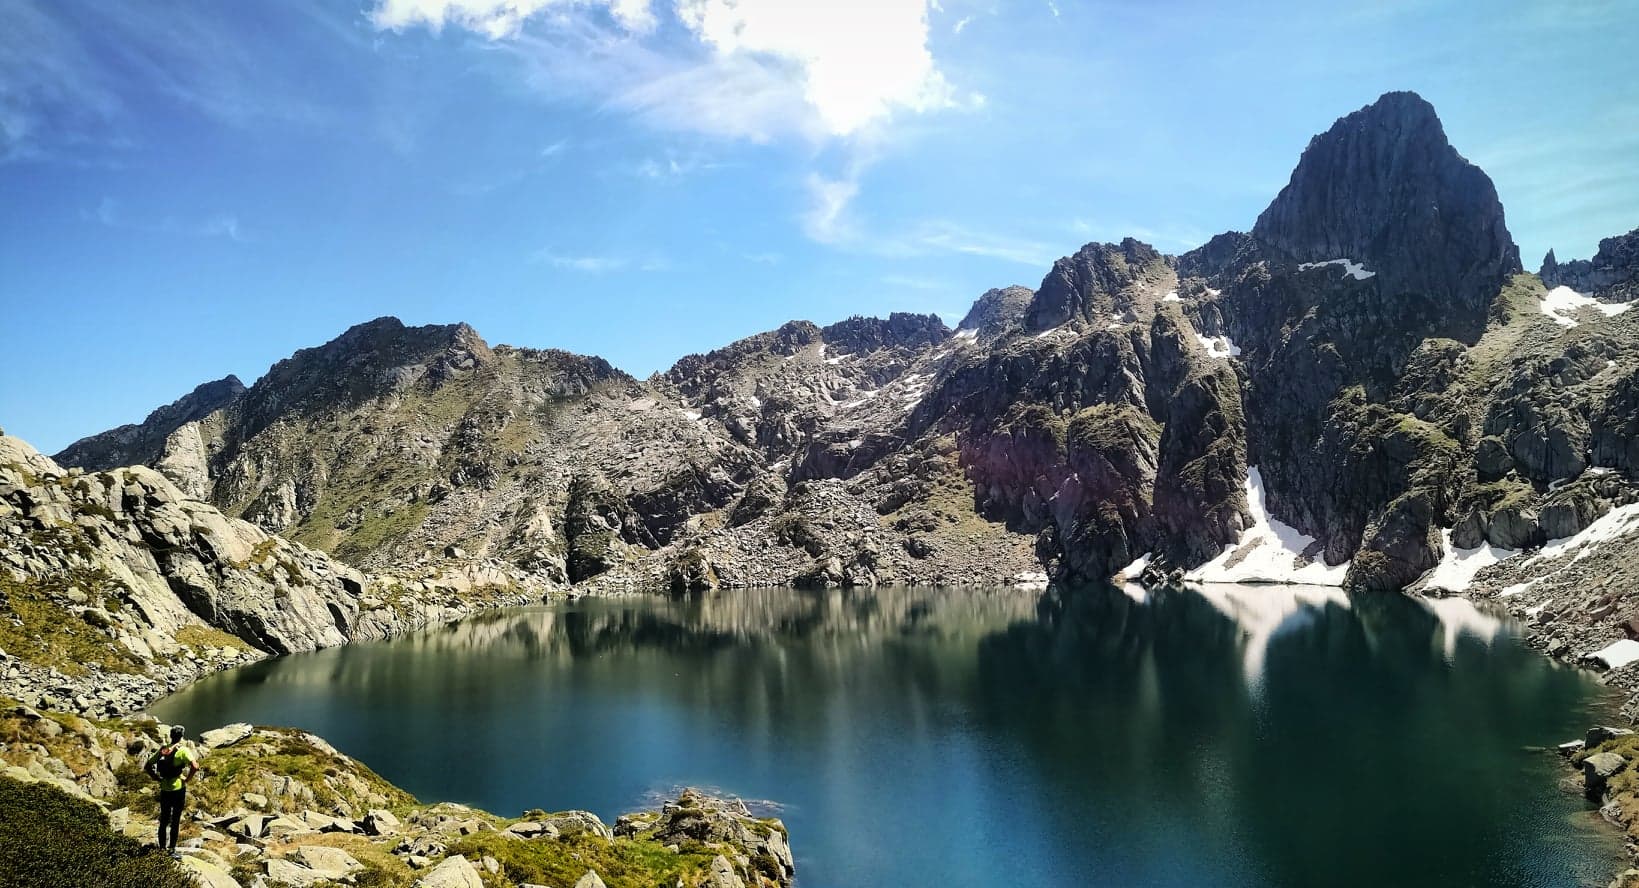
{"x":226,"y":735}
{"x":590,"y":880}
{"x":1601,"y":733}
{"x":453,"y":872}
{"x":1597,"y":769}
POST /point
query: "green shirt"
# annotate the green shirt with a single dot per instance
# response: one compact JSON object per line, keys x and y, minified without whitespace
{"x":183,"y":758}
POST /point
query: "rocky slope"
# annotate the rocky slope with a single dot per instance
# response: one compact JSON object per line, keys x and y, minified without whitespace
{"x":115,"y":587}
{"x":1363,"y":383}
{"x":280,"y":807}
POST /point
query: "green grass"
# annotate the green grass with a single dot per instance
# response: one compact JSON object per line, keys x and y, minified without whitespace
{"x":49,"y":839}
{"x":228,"y":773}
{"x":47,"y":635}
{"x":624,"y":863}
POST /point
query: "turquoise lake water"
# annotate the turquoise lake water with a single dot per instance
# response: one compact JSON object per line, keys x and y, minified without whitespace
{"x":1225,"y":736}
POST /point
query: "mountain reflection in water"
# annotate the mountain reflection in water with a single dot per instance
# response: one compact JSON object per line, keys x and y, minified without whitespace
{"x":1225,"y":735}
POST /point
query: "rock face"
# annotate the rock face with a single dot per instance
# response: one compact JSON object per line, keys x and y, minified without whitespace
{"x":1384,"y":188}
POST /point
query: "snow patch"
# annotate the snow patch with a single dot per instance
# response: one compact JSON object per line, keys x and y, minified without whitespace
{"x":966,"y":334}
{"x":1617,"y":654}
{"x":1270,"y":551}
{"x":1219,"y":346}
{"x":1172,"y":296}
{"x":863,"y":397}
{"x":1457,"y":568}
{"x":1563,"y":303}
{"x":756,"y":402}
{"x":1133,"y":570}
{"x":1612,"y":524}
{"x":1351,"y":268}
{"x":690,"y":414}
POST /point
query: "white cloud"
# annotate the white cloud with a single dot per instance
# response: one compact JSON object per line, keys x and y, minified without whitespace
{"x":857,"y":62}
{"x":751,"y":69}
{"x":499,"y":18}
{"x":960,"y":24}
{"x":555,"y":148}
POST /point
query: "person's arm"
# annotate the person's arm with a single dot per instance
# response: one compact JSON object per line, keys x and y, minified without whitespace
{"x":193,"y":768}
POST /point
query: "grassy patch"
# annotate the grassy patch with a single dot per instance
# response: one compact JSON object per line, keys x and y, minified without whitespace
{"x":49,"y":839}
{"x":227,"y":774}
{"x":37,"y":627}
{"x":623,"y":863}
{"x":202,"y":638}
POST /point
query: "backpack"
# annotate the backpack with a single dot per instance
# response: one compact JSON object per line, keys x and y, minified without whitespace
{"x":165,"y":765}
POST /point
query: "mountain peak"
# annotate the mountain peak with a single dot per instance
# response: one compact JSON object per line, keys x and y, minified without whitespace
{"x":1089,"y":283}
{"x":1385,"y":188}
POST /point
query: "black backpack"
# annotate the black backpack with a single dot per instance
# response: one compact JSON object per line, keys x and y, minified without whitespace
{"x":165,"y":765}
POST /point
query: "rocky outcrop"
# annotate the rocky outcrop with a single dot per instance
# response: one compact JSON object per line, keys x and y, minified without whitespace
{"x":996,"y":312}
{"x":1612,"y":275}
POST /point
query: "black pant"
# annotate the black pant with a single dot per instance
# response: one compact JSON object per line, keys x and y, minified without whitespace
{"x":170,"y":815}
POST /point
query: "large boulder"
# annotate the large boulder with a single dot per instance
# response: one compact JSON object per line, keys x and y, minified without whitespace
{"x":1598,"y":769}
{"x":453,"y":872}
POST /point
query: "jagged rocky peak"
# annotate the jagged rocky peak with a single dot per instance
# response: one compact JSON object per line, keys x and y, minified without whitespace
{"x":1385,"y":189}
{"x":141,"y":443}
{"x":1612,"y":274}
{"x":1222,"y":252}
{"x":1095,"y":283}
{"x":899,"y":330}
{"x":996,"y":312}
{"x":367,"y":361}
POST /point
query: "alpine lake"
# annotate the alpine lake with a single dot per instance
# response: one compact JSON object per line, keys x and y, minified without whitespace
{"x":1210,"y":736}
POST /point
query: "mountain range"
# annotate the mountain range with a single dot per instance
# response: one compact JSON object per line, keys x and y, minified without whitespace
{"x":1367,"y":366}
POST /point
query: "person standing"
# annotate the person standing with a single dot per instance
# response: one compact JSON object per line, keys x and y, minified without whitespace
{"x":172,"y":766}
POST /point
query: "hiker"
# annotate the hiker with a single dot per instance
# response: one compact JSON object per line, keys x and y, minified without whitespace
{"x":171,"y":766}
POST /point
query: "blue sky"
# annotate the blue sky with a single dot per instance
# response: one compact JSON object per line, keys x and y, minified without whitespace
{"x":189,"y":189}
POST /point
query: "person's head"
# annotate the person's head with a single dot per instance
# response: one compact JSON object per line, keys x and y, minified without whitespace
{"x":176,"y":732}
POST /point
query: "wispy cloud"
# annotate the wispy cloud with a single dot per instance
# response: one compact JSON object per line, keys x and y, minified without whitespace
{"x":555,"y":148}
{"x":764,"y":258}
{"x":673,"y":165}
{"x":600,"y":264}
{"x":108,"y":213}
{"x":911,"y":282}
{"x":71,"y":75}
{"x":950,"y":237}
{"x":826,"y":219}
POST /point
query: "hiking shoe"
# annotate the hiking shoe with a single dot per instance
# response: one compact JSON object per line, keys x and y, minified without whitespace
{"x":176,"y":855}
